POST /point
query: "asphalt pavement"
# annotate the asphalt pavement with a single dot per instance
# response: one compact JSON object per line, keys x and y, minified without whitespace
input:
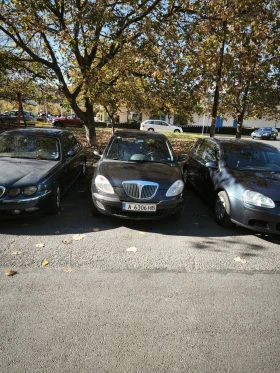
{"x":109,"y":295}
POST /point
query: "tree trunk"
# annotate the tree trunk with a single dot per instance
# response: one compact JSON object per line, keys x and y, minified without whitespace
{"x":218,"y":83}
{"x":90,"y":125}
{"x":241,"y":115}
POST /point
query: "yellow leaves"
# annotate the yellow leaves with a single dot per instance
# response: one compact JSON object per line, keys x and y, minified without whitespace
{"x":131,"y":250}
{"x":78,"y":237}
{"x":69,"y":270}
{"x":10,"y":272}
{"x":40,"y":245}
{"x":16,"y":253}
{"x":96,"y":229}
{"x":67,"y":241}
{"x":45,"y":263}
{"x":239,"y":260}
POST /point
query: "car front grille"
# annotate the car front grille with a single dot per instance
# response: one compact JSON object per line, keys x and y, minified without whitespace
{"x":140,"y":189}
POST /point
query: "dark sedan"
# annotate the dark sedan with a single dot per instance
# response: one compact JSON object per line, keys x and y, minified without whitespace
{"x":265,"y":133}
{"x":138,"y":177}
{"x":37,"y":166}
{"x":241,"y":178}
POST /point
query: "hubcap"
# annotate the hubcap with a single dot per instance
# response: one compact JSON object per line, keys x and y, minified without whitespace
{"x":220,"y":208}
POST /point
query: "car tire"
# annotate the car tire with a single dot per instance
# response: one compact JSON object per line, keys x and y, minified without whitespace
{"x":176,"y":131}
{"x":83,"y":173}
{"x":222,"y":210}
{"x":151,"y":129}
{"x":253,"y":138}
{"x":58,"y":124}
{"x":56,"y":199}
{"x":94,"y":210}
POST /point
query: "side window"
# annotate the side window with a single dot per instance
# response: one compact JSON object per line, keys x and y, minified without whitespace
{"x":201,"y":149}
{"x":66,"y":146}
{"x":211,"y":153}
{"x":74,"y":144}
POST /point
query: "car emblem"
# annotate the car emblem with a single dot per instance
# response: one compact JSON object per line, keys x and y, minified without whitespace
{"x":2,"y":191}
{"x":140,"y":189}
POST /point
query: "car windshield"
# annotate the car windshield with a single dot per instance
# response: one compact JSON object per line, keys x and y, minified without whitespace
{"x":21,"y":146}
{"x":135,"y":149}
{"x":252,"y":158}
{"x":266,"y":129}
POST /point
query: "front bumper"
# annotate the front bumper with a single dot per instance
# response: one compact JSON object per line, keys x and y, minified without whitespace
{"x":263,"y":220}
{"x":26,"y":206}
{"x":112,"y":206}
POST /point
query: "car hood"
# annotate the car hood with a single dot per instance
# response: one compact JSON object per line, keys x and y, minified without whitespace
{"x":15,"y":172}
{"x":267,"y":183}
{"x":165,"y":174}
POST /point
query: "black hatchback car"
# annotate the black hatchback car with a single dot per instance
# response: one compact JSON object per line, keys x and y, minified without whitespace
{"x":242,"y":180}
{"x":138,"y":177}
{"x":37,"y":166}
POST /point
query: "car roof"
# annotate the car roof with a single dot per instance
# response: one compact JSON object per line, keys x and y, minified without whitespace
{"x":139,"y":134}
{"x":241,"y":143}
{"x":35,"y":131}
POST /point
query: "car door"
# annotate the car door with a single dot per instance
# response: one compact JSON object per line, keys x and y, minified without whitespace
{"x":194,"y":163}
{"x":69,"y":171}
{"x":165,"y":127}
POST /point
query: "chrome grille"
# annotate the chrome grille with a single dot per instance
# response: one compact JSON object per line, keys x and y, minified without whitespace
{"x":140,"y":189}
{"x":2,"y":191}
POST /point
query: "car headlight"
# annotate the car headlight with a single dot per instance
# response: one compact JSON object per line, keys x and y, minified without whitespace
{"x":28,"y":191}
{"x":175,"y":189}
{"x":257,"y":199}
{"x":103,"y":184}
{"x":14,"y":192}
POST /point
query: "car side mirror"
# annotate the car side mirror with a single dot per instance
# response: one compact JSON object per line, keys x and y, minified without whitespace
{"x":212,"y":164}
{"x":181,"y":157}
{"x":71,"y":153}
{"x":97,"y":152}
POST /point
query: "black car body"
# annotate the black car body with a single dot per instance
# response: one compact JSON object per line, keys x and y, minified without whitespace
{"x":241,"y":178}
{"x":37,"y":166}
{"x":265,"y":133}
{"x":135,"y":176}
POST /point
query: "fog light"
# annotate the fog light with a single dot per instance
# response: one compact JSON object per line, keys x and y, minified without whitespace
{"x":30,"y":209}
{"x":16,"y":212}
{"x":99,"y":204}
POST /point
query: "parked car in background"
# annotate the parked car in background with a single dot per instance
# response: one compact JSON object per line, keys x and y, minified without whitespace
{"x":159,"y":126}
{"x":71,"y":120}
{"x":138,"y":177}
{"x":37,"y":167}
{"x":265,"y":133}
{"x":240,"y":178}
{"x":12,"y":116}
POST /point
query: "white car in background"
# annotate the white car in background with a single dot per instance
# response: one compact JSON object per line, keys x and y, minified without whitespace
{"x":159,"y":126}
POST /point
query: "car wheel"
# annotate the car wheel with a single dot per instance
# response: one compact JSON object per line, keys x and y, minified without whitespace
{"x":84,"y":169}
{"x":222,"y":210}
{"x":56,"y":199}
{"x":176,"y":131}
{"x":253,"y":138}
{"x":58,"y":124}
{"x":150,"y":129}
{"x":94,"y":210}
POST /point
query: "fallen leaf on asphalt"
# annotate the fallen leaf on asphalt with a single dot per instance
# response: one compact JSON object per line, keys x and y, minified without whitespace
{"x":56,"y":232}
{"x":67,"y":241}
{"x":239,"y":260}
{"x":166,"y":299}
{"x":196,"y":223}
{"x":142,"y":232}
{"x":131,"y":250}
{"x":69,"y":270}
{"x":10,"y":272}
{"x":28,"y":237}
{"x":45,"y":263}
{"x":78,"y":237}
{"x":16,"y":253}
{"x":95,"y":229}
{"x":40,"y":245}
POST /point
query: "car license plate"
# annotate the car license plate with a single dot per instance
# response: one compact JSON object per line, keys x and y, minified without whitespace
{"x":145,"y":207}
